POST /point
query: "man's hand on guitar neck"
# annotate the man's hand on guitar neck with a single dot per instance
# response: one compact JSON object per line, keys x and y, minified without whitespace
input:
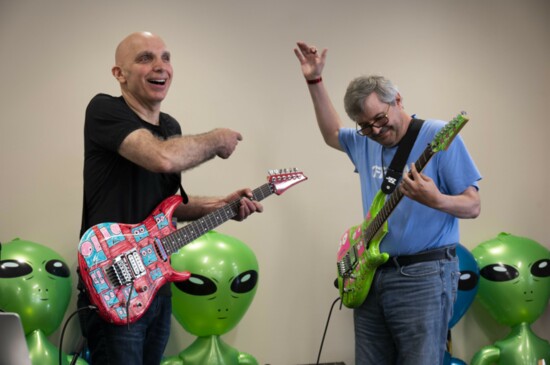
{"x":247,"y":203}
{"x":422,"y":189}
{"x":419,"y":187}
{"x":199,"y":206}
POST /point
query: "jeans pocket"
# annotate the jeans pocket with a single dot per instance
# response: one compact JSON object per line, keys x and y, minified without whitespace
{"x":420,"y":269}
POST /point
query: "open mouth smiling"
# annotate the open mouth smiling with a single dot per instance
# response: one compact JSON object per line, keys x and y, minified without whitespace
{"x":157,"y":81}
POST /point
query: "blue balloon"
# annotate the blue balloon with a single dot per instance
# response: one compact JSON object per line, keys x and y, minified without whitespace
{"x":452,"y":360}
{"x":467,"y":290}
{"x":467,"y":285}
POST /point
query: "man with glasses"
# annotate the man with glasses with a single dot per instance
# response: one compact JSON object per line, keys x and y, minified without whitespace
{"x":404,"y":318}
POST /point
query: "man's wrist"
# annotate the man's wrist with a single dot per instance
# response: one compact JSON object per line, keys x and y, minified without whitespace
{"x":314,"y":81}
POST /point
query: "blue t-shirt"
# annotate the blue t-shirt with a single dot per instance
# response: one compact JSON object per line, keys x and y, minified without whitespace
{"x":413,"y":227}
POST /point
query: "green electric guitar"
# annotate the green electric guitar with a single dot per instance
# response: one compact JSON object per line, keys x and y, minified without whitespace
{"x":359,"y":251}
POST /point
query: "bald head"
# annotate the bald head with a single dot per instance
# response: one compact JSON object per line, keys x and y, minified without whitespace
{"x":143,"y":70}
{"x":129,"y":45}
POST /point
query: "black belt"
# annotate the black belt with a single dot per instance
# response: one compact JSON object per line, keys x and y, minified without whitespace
{"x":432,"y":255}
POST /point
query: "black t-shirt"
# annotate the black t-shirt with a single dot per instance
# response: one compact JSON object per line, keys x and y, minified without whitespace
{"x":116,"y":189}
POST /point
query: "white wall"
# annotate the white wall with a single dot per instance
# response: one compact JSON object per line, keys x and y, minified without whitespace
{"x":234,"y":67}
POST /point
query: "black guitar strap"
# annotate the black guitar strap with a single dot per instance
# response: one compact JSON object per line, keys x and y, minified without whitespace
{"x":395,"y":171}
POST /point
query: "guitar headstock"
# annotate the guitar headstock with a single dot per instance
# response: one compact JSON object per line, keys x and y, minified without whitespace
{"x":282,"y":179}
{"x":445,"y":136}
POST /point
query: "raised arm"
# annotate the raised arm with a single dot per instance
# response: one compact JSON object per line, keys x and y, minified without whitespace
{"x":177,"y":153}
{"x":312,"y":64}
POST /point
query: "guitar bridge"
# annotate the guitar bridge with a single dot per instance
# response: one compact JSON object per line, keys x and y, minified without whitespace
{"x":348,"y":263}
{"x":126,"y":268}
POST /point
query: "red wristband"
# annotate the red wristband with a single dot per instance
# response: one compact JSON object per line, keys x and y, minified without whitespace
{"x":314,"y":81}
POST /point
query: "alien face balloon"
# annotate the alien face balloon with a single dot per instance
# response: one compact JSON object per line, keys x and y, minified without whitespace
{"x":223,"y":282}
{"x":515,"y":278}
{"x":467,"y":284}
{"x":35,"y":283}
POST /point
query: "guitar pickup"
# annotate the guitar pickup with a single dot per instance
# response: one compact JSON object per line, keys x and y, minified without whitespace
{"x":353,"y":259}
{"x":134,"y":260}
{"x":126,"y":268}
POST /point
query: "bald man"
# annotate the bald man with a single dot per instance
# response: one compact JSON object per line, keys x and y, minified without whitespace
{"x":133,"y":158}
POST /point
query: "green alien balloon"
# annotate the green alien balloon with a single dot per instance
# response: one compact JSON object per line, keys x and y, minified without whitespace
{"x":35,"y":283}
{"x":514,"y":287}
{"x":223,"y":282}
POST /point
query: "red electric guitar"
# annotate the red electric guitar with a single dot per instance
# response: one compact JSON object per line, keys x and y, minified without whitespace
{"x":120,"y":261}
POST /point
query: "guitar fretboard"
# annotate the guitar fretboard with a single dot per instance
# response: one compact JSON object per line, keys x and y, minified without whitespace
{"x":176,"y":240}
{"x":394,"y":199}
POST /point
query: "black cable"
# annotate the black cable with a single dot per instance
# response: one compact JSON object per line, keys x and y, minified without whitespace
{"x":326,"y":328}
{"x":79,"y":349}
{"x":89,"y":307}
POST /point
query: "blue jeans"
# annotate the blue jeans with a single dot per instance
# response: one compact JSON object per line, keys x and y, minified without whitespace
{"x":142,"y":343}
{"x":405,"y":316}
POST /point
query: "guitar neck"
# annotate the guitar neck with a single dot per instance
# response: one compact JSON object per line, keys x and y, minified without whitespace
{"x":181,"y":237}
{"x":395,"y":198}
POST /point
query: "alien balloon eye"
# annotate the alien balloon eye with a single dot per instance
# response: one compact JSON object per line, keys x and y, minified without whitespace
{"x":541,"y":268}
{"x":468,"y":280}
{"x":245,"y":282}
{"x":14,"y":269}
{"x":58,"y":268}
{"x":499,"y":272}
{"x":197,"y":285}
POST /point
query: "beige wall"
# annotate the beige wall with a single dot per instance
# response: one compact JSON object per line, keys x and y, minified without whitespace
{"x":234,"y":67}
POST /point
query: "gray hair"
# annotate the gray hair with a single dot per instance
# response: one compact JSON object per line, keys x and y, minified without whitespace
{"x":361,"y":87}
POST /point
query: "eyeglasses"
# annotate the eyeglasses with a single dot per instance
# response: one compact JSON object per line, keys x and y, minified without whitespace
{"x":364,"y":129}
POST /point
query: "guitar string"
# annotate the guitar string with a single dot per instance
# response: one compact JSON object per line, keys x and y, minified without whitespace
{"x":195,"y":229}
{"x":393,"y":199}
